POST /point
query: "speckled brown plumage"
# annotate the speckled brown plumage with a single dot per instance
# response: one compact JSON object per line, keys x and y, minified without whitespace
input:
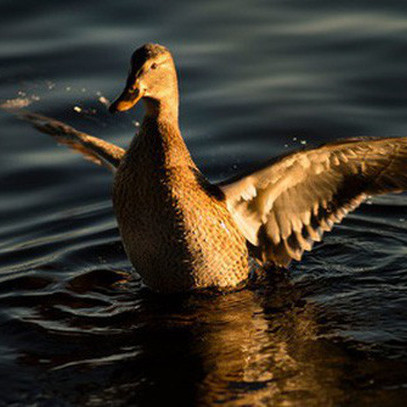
{"x":177,"y":235}
{"x":180,"y":231}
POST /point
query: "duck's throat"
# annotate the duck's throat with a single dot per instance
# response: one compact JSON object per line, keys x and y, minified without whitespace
{"x":160,"y":139}
{"x":162,"y":109}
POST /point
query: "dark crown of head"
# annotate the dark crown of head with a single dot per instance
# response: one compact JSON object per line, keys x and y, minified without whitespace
{"x":147,"y":51}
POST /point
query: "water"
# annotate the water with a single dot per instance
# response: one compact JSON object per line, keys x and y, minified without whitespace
{"x":257,"y":79}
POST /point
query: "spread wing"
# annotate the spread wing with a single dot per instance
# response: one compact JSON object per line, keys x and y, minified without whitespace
{"x":94,"y":149}
{"x":286,"y":206}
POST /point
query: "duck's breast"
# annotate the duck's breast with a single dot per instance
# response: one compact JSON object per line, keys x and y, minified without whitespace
{"x":175,"y":226}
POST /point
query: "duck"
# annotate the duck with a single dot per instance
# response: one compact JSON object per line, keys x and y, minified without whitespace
{"x":182,"y":232}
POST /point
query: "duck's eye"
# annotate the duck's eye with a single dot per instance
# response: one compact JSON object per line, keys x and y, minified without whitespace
{"x":154,"y":66}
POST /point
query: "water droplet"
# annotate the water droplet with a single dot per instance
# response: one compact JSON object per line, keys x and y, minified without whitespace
{"x":15,"y":103}
{"x":104,"y":101}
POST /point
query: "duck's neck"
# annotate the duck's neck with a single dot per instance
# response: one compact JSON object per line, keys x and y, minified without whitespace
{"x":164,"y":108}
{"x":160,"y":133}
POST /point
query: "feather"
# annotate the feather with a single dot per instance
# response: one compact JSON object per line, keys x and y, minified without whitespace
{"x":300,"y":196}
{"x":92,"y":148}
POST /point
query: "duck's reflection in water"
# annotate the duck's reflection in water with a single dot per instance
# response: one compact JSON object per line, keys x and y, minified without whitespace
{"x":256,"y":347}
{"x":251,"y":347}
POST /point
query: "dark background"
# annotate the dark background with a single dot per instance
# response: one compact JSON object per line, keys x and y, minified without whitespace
{"x":257,"y":78}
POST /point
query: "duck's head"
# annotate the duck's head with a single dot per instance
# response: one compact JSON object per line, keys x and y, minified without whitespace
{"x":152,"y":76}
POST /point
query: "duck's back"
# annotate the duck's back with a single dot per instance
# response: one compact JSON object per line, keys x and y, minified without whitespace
{"x":175,"y":226}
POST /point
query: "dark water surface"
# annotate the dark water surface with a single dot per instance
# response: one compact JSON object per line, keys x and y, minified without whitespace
{"x":257,"y":78}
